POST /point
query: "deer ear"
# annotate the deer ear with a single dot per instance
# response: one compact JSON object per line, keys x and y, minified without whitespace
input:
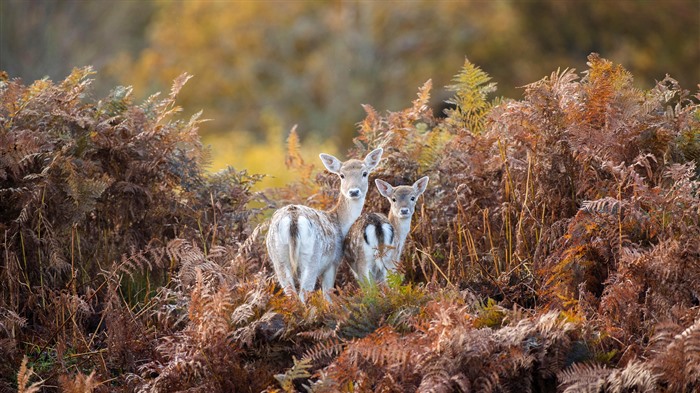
{"x":373,"y":158}
{"x":420,"y":185}
{"x":331,"y":163}
{"x":384,"y":188}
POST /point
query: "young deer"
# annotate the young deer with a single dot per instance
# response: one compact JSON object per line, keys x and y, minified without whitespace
{"x":304,"y":243}
{"x":374,"y":244}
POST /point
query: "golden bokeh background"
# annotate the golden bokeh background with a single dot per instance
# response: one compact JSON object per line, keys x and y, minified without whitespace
{"x":260,"y":67}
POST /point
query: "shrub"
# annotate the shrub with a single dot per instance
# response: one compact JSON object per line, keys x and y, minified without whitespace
{"x":93,"y":194}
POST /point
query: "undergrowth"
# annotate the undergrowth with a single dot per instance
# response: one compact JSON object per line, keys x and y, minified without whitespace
{"x":556,"y":248}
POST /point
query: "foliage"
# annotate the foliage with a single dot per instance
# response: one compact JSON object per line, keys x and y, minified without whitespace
{"x":470,"y":89}
{"x":92,"y":196}
{"x":561,"y":201}
{"x":270,"y":66}
{"x":23,"y":377}
{"x":555,"y":249}
{"x":265,"y":66}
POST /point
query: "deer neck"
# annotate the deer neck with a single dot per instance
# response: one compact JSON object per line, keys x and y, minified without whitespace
{"x":346,"y":212}
{"x":402,"y":226}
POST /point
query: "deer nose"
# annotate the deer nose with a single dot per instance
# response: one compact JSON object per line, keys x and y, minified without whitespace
{"x":354,"y":193}
{"x":404,"y":211}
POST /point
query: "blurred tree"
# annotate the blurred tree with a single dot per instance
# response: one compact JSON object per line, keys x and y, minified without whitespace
{"x":651,"y":38}
{"x":313,"y":63}
{"x":41,"y":38}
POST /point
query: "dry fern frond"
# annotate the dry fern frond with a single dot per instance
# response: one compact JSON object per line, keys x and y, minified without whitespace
{"x":606,"y":205}
{"x":10,"y":322}
{"x":80,"y":383}
{"x":324,"y":350}
{"x":577,"y":203}
{"x":583,"y":378}
{"x":369,"y":128}
{"x":634,"y":377}
{"x":421,"y":108}
{"x":382,"y":349}
{"x":293,"y":158}
{"x":24,"y":376}
{"x":167,"y":106}
{"x":676,"y":356}
{"x":300,"y":370}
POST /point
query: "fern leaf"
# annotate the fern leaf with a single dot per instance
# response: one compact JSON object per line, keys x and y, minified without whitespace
{"x":583,"y":378}
{"x":677,"y":355}
{"x":635,"y":377}
{"x":299,"y":370}
{"x":471,"y":87}
{"x":293,"y":158}
{"x":437,"y":381}
{"x":78,"y":78}
{"x":607,"y":205}
{"x":433,"y":148}
{"x":369,"y":128}
{"x":81,"y":383}
{"x":421,"y":104}
{"x":167,"y":106}
{"x":23,"y":376}
{"x":323,"y":351}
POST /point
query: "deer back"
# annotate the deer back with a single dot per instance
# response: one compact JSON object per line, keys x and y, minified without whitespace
{"x":369,"y":246}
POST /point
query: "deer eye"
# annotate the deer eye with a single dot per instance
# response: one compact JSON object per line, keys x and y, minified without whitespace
{"x":393,"y":199}
{"x":342,"y":176}
{"x":364,"y":174}
{"x":413,"y":199}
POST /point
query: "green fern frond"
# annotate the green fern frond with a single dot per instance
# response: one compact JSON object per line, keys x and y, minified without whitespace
{"x":490,"y":314}
{"x":433,"y":147}
{"x":299,"y":370}
{"x":471,"y":87}
{"x":360,"y":323}
{"x":117,"y":102}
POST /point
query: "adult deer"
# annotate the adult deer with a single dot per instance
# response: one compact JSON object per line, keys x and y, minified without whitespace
{"x":304,"y":243}
{"x":374,"y":243}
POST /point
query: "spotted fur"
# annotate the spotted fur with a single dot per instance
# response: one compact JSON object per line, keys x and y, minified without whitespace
{"x":374,"y":243}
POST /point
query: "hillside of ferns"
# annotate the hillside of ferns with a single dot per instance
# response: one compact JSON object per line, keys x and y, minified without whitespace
{"x":556,"y":249}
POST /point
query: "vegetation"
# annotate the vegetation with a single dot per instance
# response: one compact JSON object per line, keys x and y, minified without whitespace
{"x":262,"y":66}
{"x":554,"y":250}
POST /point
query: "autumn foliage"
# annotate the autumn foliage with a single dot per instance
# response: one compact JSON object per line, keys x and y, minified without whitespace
{"x":556,"y":248}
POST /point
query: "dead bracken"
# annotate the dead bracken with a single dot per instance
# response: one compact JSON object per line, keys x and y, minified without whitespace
{"x":554,"y":249}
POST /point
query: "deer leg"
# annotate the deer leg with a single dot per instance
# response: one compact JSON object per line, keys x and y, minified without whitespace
{"x":286,"y":279}
{"x":328,"y":280}
{"x":283,"y":271}
{"x":307,"y":282}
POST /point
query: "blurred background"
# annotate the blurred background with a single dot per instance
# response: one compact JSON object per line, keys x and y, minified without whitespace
{"x":261,"y":67}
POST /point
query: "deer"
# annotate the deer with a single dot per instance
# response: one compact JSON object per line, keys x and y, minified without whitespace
{"x":305,"y":244}
{"x":374,"y":243}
